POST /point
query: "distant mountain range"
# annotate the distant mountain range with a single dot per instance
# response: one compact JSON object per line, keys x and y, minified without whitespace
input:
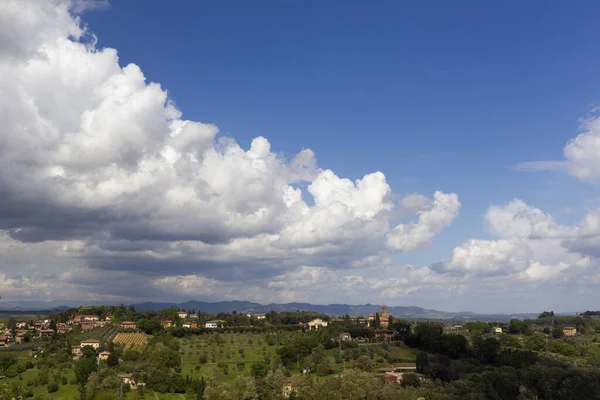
{"x":410,"y":312}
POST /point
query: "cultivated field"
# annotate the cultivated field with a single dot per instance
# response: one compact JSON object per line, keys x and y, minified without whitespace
{"x":223,"y":356}
{"x":131,"y":339}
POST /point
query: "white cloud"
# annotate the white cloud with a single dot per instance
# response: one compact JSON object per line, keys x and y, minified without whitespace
{"x":531,"y":245}
{"x":582,"y":153}
{"x":98,"y":165}
{"x":432,"y":220}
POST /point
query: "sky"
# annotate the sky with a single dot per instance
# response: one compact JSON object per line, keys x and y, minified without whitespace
{"x":438,"y":154}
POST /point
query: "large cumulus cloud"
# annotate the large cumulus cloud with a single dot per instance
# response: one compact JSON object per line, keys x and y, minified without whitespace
{"x":100,"y":162}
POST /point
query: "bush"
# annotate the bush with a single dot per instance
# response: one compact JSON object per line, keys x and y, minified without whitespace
{"x":410,"y":379}
{"x":52,"y":387}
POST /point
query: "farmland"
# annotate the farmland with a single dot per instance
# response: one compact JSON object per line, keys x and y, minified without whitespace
{"x":131,"y":339}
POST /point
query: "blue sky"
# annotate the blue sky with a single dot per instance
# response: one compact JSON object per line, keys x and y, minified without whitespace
{"x":437,"y":95}
{"x":483,"y":109}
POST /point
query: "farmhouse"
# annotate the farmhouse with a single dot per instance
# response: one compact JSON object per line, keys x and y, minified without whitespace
{"x":570,"y":331}
{"x":286,"y":388}
{"x":45,"y":332}
{"x":317,"y":324}
{"x":128,"y":379}
{"x":213,"y":324}
{"x":128,"y":325}
{"x":21,"y":325}
{"x":193,"y":316}
{"x":497,"y":329}
{"x":104,"y":355}
{"x":168,"y":324}
{"x":384,"y":335}
{"x":345,"y":337}
{"x":259,"y":316}
{"x":182,"y":314}
{"x":76,"y":350}
{"x":90,"y":342}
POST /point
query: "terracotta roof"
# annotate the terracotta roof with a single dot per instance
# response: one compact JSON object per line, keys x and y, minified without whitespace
{"x":90,"y":341}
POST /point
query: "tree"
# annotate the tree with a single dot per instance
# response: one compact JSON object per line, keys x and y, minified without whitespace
{"x":517,"y":326}
{"x":83,"y":369}
{"x":53,"y":387}
{"x":487,"y":348}
{"x":377,"y":321}
{"x":364,"y":363}
{"x":422,"y":361}
{"x":112,"y":360}
{"x":557,"y":332}
{"x":410,"y":379}
{"x":536,"y":341}
{"x":259,"y":370}
{"x":200,"y":389}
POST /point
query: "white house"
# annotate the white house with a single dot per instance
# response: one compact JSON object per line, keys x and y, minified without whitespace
{"x":182,"y":314}
{"x":497,"y":329}
{"x":187,"y":325}
{"x":21,"y":325}
{"x":317,"y":323}
{"x":213,"y":324}
{"x":90,"y":342}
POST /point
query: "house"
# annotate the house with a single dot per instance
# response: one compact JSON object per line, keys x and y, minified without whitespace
{"x":286,"y":388}
{"x":104,"y":355}
{"x":570,"y":331}
{"x":128,"y":325}
{"x":46,"y":332}
{"x":20,"y":336}
{"x":193,"y":316}
{"x":21,"y":325}
{"x":87,"y":325}
{"x":317,"y":324}
{"x":3,"y":341}
{"x":168,"y":324}
{"x":259,"y":316}
{"x":455,"y":327}
{"x":62,"y":328}
{"x":186,"y":325}
{"x":182,"y":314}
{"x":384,"y":335}
{"x":497,"y":329}
{"x":128,"y":379}
{"x":76,"y":351}
{"x":362,"y":321}
{"x":215,"y":324}
{"x":90,"y":342}
{"x":90,"y":318}
{"x":193,"y":325}
{"x":345,"y":337}
{"x":108,"y":317}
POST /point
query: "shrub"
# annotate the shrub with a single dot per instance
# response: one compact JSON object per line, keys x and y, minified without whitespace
{"x":52,"y":387}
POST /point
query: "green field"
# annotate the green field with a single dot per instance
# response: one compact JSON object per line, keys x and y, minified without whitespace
{"x":221,"y":350}
{"x":232,"y":350}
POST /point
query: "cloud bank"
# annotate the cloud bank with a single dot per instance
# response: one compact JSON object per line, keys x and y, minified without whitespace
{"x":109,"y":194}
{"x":98,"y":167}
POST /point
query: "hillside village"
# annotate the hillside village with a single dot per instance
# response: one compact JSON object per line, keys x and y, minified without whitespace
{"x":126,"y":344}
